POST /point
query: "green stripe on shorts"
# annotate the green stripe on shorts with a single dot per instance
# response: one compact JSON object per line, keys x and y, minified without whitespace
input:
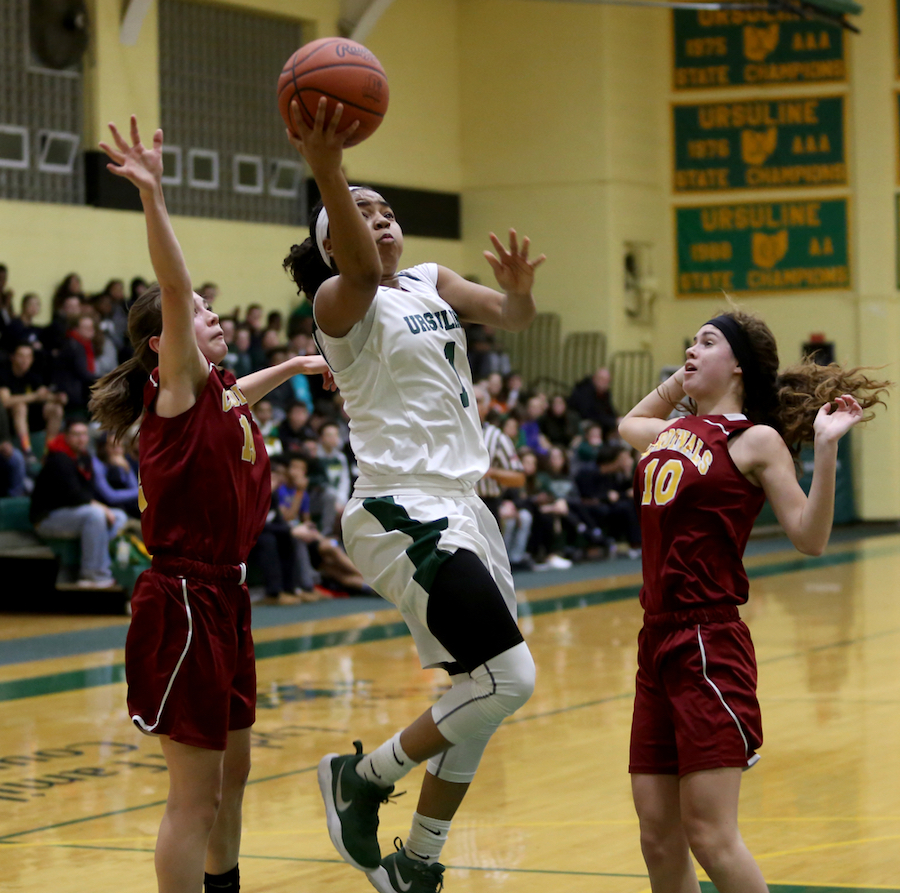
{"x":423,"y":551}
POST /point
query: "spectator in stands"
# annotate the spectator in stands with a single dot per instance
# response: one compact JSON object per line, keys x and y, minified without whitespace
{"x":13,"y":472}
{"x":485,"y":355}
{"x":282,"y":397}
{"x":32,"y":406}
{"x":559,"y":423}
{"x":76,"y":365}
{"x":209,"y":291}
{"x":530,"y":428}
{"x":22,"y":329}
{"x":275,"y":552}
{"x":546,"y":510}
{"x":575,"y":520}
{"x":324,"y":553}
{"x":505,"y":474}
{"x":605,"y":491}
{"x":494,"y":385}
{"x":64,"y":504}
{"x":334,"y":463}
{"x":591,"y":399}
{"x":265,"y":421}
{"x":588,"y":448}
{"x":64,"y":317}
{"x":275,"y":322}
{"x":243,"y":362}
{"x":136,"y":288}
{"x":116,"y":315}
{"x":106,"y":354}
{"x":115,"y":481}
{"x":509,"y":425}
{"x":295,"y":429}
{"x":70,"y":287}
{"x":6,"y":301}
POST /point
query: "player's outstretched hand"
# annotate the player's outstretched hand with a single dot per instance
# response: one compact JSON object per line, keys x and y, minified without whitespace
{"x":833,"y":422}
{"x":513,"y":270}
{"x":141,"y":165}
{"x":321,"y":146}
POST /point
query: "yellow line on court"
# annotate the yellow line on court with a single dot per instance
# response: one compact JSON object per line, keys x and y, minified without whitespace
{"x":818,"y":847}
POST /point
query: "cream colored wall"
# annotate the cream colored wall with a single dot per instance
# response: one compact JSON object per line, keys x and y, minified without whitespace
{"x":550,"y":117}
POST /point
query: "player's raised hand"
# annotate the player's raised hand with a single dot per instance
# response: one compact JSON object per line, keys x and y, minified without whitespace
{"x":321,"y":145}
{"x":512,"y":268}
{"x":136,"y":162}
{"x":834,"y":421}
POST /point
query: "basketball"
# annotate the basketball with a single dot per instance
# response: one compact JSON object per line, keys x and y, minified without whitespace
{"x":342,"y":71}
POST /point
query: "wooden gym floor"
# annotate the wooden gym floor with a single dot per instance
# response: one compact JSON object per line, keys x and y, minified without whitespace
{"x":81,"y":793}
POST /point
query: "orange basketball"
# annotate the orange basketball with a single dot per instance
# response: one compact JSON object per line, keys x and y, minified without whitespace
{"x":343,"y":71}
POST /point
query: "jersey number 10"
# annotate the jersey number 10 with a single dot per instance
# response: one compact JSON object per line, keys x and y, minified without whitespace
{"x":660,"y":488}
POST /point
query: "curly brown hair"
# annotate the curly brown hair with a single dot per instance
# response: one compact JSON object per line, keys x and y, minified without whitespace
{"x":790,"y":400}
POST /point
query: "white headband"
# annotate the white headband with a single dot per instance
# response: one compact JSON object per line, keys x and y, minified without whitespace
{"x":322,"y":230}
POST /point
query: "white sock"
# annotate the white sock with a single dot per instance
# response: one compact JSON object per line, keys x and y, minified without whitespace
{"x":386,"y":765}
{"x":426,"y":839}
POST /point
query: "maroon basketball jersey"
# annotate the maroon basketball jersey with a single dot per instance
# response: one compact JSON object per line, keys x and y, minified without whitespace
{"x":697,"y":511}
{"x":205,"y":484}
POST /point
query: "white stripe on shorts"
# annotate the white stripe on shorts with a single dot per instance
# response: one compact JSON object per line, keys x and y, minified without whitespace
{"x":139,"y":721}
{"x":715,"y":688}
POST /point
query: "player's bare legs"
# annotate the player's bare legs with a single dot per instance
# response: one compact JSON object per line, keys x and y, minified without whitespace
{"x":195,"y":789}
{"x":663,"y":841}
{"x":709,"y":811}
{"x":224,"y":845}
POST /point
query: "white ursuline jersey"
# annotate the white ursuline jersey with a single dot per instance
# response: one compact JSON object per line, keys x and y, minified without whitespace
{"x":407,"y":388}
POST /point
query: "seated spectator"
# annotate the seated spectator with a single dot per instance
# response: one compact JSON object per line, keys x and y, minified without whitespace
{"x":606,"y":492}
{"x":576,"y":521}
{"x":6,"y":300}
{"x":265,"y":421}
{"x":500,"y":486}
{"x":106,"y":355}
{"x":136,"y":288}
{"x":546,"y":532}
{"x":22,"y":330}
{"x":589,"y":446}
{"x":275,"y":552}
{"x":318,"y":551}
{"x":485,"y":354}
{"x":115,"y":481}
{"x":559,"y":424}
{"x":243,"y":360}
{"x":295,"y":428}
{"x":591,"y":399}
{"x":76,"y":366}
{"x":275,"y":322}
{"x":209,"y":291}
{"x":512,"y":390}
{"x":70,"y":287}
{"x":13,"y":472}
{"x":530,"y":428}
{"x":32,"y":406}
{"x":110,"y":304}
{"x":64,"y":505}
{"x":283,"y":396}
{"x":509,"y":425}
{"x":334,"y":463}
{"x":55,"y":332}
{"x":494,"y":385}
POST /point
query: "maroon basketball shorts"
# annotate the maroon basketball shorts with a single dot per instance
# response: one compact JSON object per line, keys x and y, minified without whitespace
{"x":695,"y":703}
{"x":189,"y":653}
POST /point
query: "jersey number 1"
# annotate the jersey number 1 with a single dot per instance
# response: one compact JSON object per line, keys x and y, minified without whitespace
{"x":248,"y":453}
{"x":450,"y":354}
{"x":660,"y":488}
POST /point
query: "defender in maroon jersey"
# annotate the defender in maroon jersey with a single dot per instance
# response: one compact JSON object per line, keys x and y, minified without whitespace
{"x":204,"y":496}
{"x":700,"y":484}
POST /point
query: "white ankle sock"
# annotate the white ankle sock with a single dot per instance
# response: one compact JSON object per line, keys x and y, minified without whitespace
{"x":426,"y":839}
{"x":386,"y":765}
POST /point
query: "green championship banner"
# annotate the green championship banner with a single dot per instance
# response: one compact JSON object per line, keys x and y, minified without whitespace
{"x":759,"y":144}
{"x":762,"y":247}
{"x":731,"y":48}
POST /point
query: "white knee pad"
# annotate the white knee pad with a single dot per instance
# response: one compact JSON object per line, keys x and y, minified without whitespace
{"x":459,"y":762}
{"x":482,"y":699}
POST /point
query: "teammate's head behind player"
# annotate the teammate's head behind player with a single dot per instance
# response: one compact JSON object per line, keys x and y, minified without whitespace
{"x":311,"y":262}
{"x":736,"y":353}
{"x":117,"y":398}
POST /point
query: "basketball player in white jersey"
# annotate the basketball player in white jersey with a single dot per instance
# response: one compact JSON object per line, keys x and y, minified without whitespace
{"x":415,"y":527}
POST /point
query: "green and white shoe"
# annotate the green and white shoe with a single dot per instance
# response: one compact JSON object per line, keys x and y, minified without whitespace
{"x":351,"y":809}
{"x":400,"y":874}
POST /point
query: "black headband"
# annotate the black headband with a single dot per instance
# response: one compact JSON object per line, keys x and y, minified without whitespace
{"x":738,"y":341}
